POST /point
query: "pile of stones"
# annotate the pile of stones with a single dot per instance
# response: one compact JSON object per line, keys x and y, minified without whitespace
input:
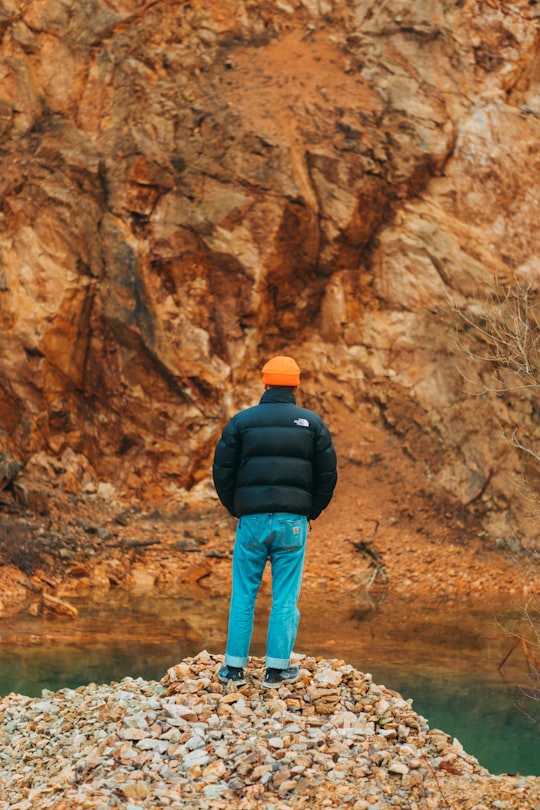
{"x":332,"y":738}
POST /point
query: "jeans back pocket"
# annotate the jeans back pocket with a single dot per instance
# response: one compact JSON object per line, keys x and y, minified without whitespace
{"x":292,"y":533}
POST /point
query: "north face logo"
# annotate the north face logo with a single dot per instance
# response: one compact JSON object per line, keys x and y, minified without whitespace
{"x":301,"y":422}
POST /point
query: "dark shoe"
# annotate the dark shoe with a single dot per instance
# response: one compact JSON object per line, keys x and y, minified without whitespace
{"x":234,"y":674}
{"x":274,"y":677}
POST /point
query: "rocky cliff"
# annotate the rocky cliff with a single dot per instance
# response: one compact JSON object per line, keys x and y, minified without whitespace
{"x":188,"y":188}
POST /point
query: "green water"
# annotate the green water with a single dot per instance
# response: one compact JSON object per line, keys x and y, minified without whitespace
{"x":482,"y":714}
{"x":444,"y":664}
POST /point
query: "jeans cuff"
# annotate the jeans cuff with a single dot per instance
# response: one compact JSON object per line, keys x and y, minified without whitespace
{"x":235,"y":661}
{"x":277,"y":663}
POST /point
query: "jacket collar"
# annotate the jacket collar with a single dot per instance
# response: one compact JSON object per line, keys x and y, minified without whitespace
{"x":278,"y":394}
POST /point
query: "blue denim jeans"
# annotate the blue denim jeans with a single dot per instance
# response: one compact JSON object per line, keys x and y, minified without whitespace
{"x":280,"y":538}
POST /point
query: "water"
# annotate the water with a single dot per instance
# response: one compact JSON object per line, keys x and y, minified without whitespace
{"x":440,"y":659}
{"x":482,"y":714}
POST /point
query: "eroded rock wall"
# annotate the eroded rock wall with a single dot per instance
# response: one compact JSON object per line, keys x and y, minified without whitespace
{"x":189,"y":187}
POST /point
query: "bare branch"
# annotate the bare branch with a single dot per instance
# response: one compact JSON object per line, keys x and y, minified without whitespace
{"x":517,"y":443}
{"x":503,"y":335}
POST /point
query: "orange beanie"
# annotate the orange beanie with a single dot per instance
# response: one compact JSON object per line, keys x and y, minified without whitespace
{"x":281,"y":371}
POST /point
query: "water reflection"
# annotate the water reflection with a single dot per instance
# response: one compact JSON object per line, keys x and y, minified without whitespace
{"x":440,"y":658}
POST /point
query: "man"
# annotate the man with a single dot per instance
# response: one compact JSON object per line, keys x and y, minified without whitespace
{"x":274,"y":469}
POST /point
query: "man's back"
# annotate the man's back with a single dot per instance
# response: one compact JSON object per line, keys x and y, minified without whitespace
{"x":275,"y":457}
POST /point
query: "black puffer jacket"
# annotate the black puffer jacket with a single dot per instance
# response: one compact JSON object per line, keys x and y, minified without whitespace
{"x":275,"y":457}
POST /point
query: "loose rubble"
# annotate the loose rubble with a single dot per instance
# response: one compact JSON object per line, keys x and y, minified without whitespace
{"x":332,"y":738}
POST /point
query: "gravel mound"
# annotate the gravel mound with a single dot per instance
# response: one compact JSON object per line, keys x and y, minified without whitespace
{"x":332,"y":738}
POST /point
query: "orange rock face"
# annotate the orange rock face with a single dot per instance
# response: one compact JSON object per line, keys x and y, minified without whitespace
{"x":189,"y":188}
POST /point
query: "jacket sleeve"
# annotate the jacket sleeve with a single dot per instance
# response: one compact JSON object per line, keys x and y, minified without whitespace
{"x":324,"y":472}
{"x":225,"y":466}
